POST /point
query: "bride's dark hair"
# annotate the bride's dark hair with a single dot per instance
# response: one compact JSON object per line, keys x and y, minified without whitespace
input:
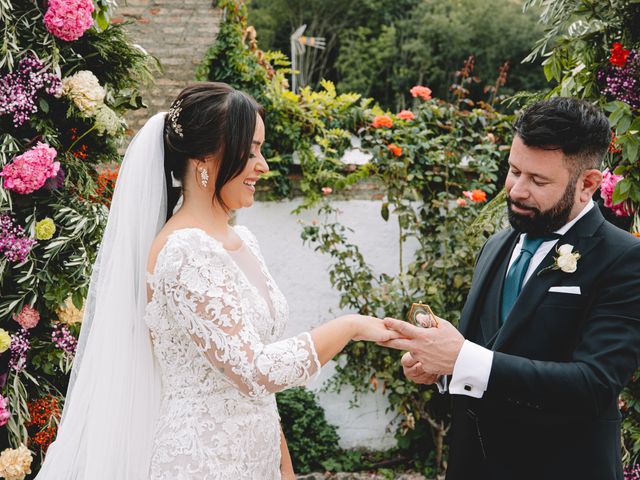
{"x":205,"y":119}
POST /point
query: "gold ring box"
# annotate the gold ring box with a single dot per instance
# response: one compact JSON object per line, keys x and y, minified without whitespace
{"x":424,"y":309}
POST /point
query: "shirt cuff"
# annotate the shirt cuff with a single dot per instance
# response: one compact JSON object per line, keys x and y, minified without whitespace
{"x":442,"y":383}
{"x":471,"y":370}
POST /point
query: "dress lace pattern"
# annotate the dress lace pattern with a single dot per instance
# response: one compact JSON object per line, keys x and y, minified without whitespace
{"x":216,"y":344}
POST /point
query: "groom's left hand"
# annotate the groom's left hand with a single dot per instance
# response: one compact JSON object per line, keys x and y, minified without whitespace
{"x":436,"y":348}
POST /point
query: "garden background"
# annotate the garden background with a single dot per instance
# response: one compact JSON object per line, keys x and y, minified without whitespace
{"x":386,"y":174}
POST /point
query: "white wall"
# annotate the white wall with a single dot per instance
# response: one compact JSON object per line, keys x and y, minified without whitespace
{"x":302,"y":275}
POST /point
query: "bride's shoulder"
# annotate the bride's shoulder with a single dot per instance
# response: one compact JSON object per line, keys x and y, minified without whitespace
{"x":176,"y":244}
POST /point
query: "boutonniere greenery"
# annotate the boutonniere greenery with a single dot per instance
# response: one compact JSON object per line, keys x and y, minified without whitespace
{"x":565,"y":260}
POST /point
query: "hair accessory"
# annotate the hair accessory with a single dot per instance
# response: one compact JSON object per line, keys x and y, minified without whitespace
{"x":174,"y":113}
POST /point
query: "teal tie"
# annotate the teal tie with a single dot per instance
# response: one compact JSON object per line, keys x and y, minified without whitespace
{"x":515,"y":276}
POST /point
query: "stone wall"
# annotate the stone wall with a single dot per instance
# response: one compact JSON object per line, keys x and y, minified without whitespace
{"x":177,"y":33}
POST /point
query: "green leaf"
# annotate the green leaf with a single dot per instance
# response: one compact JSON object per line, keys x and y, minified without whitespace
{"x":621,"y":192}
{"x":44,"y":105}
{"x":384,"y":211}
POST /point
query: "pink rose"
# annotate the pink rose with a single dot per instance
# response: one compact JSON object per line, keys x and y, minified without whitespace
{"x":406,"y":115}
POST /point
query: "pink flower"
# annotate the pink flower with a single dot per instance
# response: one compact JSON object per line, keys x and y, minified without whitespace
{"x":28,"y":317}
{"x":5,"y":414}
{"x":609,"y":181}
{"x":326,"y":191}
{"x":29,"y":172}
{"x":461,"y":202}
{"x":422,"y":92}
{"x":69,"y":19}
{"x":406,"y":115}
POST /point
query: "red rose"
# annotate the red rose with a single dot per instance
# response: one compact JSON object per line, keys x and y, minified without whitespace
{"x":619,"y":55}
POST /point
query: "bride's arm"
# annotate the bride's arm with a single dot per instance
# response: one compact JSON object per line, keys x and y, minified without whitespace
{"x":202,"y":295}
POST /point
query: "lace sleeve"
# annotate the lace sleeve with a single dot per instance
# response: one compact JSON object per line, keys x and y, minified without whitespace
{"x":202,"y":295}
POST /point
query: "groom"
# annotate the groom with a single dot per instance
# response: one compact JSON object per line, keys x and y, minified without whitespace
{"x":550,"y":332}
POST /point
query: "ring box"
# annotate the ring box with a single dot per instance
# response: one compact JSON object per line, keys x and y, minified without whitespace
{"x":422,"y":308}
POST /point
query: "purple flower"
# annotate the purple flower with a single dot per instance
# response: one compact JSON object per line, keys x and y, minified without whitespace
{"x":63,"y":339}
{"x":623,"y":83}
{"x":14,"y":244}
{"x":19,"y":89}
{"x":19,"y":347}
{"x":632,"y":472}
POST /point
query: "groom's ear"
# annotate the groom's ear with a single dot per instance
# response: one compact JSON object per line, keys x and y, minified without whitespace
{"x":588,"y":183}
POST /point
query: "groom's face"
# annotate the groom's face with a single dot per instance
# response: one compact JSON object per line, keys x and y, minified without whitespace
{"x":541,"y":189}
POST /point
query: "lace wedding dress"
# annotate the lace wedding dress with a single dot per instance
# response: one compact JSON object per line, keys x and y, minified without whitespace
{"x":215,"y":317}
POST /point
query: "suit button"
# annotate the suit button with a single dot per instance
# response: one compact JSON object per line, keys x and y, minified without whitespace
{"x":467,"y":387}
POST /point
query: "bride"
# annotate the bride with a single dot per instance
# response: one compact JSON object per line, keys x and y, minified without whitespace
{"x":179,"y":358}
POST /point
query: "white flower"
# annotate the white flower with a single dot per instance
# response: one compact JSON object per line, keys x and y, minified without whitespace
{"x":107,"y":121}
{"x":15,"y":464}
{"x":565,"y":249}
{"x":567,"y":260}
{"x":85,"y":90}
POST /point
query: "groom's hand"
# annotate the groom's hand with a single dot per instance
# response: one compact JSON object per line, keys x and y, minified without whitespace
{"x":436,"y":349}
{"x":413,"y":371}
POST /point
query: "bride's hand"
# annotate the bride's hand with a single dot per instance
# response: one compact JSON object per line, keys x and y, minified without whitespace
{"x":371,"y":329}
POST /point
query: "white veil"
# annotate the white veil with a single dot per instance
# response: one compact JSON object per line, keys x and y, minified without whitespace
{"x":107,"y":427}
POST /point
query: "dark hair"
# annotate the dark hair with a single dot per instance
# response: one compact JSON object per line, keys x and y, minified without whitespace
{"x":574,"y":126}
{"x":212,"y":117}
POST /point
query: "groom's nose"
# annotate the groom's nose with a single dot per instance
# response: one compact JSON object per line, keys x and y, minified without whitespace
{"x":519,"y":191}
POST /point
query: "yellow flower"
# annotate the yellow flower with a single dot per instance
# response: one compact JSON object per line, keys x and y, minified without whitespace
{"x":15,"y":464}
{"x":69,"y":313}
{"x":5,"y":340}
{"x":45,"y":229}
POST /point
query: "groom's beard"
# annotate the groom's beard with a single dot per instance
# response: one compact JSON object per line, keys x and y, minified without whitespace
{"x":547,"y":222}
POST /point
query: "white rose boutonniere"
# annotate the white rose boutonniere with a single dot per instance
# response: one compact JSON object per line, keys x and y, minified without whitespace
{"x":566,"y":260}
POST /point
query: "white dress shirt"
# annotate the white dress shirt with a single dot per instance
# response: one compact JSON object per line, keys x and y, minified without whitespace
{"x":473,"y":365}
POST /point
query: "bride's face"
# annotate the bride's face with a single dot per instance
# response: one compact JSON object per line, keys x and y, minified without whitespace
{"x":239,"y":192}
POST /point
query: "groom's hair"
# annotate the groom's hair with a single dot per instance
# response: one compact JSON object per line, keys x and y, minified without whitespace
{"x":576,"y":127}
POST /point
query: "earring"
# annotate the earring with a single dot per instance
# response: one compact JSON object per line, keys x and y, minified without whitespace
{"x":204,"y":177}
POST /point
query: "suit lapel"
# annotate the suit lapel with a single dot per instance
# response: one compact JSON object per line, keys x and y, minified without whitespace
{"x":581,"y":236}
{"x":488,"y":263}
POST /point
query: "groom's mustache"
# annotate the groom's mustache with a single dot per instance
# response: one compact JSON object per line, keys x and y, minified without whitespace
{"x":522,"y":206}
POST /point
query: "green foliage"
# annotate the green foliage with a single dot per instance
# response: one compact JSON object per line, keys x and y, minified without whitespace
{"x":294,"y":122}
{"x":381,"y":49}
{"x":310,"y":438}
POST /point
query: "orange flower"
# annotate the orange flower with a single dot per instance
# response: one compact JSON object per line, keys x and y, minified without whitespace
{"x":44,"y":414}
{"x":476,"y":195}
{"x":422,"y":92}
{"x":395,"y":149}
{"x":106,"y":186}
{"x":613,"y":146}
{"x":382,"y":121}
{"x":405,"y":115}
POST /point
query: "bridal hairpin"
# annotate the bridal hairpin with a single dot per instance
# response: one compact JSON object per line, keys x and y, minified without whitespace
{"x":174,"y":113}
